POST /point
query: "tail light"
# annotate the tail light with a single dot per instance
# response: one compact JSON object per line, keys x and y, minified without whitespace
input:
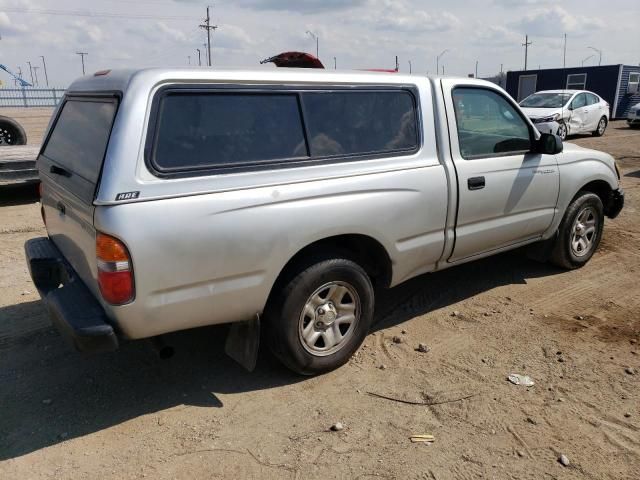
{"x":115,"y":272}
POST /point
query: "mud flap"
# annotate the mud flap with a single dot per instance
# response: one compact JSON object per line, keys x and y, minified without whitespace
{"x":243,"y":341}
{"x":541,"y":251}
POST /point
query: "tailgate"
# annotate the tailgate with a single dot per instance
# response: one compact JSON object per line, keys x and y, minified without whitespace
{"x":69,"y":166}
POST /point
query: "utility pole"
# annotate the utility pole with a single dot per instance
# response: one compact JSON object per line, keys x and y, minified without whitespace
{"x":35,"y":73}
{"x":397,"y":64}
{"x":189,"y":59}
{"x":476,"y":69}
{"x":46,"y":77}
{"x":315,"y":37}
{"x":599,"y":53}
{"x":564,"y":57}
{"x":19,"y":74}
{"x":199,"y":61}
{"x":410,"y":67}
{"x":335,"y":63}
{"x":208,"y":27}
{"x":526,"y":49}
{"x":30,"y":72}
{"x":438,"y":61}
{"x":82,"y":54}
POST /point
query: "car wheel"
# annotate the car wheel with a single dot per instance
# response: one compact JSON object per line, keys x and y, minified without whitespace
{"x":602,"y":126}
{"x":580,"y":232}
{"x":11,"y":133}
{"x":562,"y":131}
{"x":321,"y":316}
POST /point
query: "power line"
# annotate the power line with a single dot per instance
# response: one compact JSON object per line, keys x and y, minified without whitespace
{"x":86,"y":13}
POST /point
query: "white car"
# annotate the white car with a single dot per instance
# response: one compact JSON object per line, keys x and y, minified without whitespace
{"x":567,"y":112}
{"x":633,"y":118}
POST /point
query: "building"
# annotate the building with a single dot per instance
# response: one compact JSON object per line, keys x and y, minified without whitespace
{"x":619,"y":85}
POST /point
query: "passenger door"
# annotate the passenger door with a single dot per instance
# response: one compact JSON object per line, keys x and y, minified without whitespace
{"x":578,"y":121}
{"x":507,"y":195}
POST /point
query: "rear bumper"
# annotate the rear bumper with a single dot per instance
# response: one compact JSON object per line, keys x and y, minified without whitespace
{"x":616,"y":202}
{"x":73,"y":309}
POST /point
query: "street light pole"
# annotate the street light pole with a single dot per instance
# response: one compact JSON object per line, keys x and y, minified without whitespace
{"x":199,"y":61}
{"x":317,"y":39}
{"x":30,"y":72}
{"x":599,"y":54}
{"x":335,"y":63}
{"x":46,"y":77}
{"x":438,"y":61}
{"x":410,"y":68}
{"x":585,"y":59}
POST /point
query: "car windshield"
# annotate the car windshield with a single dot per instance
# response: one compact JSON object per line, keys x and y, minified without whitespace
{"x":546,"y":100}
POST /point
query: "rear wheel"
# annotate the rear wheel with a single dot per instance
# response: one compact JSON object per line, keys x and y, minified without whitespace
{"x":580,"y":231}
{"x":11,"y":133}
{"x":321,"y":316}
{"x":602,"y":126}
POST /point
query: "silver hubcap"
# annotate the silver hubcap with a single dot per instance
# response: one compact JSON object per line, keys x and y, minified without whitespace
{"x":601,"y":126}
{"x":329,"y":318}
{"x":562,"y":131}
{"x":583,"y":233}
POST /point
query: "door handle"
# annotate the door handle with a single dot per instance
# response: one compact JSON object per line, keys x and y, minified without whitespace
{"x":59,"y":171}
{"x":475,"y":183}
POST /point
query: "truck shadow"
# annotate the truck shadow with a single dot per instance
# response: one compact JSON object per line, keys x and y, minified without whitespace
{"x":51,"y":394}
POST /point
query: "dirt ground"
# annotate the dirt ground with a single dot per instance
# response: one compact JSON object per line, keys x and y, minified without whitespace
{"x":199,"y":415}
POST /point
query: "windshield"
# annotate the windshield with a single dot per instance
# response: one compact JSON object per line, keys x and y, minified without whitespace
{"x":546,"y":100}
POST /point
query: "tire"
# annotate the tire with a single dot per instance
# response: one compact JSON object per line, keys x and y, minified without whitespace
{"x":602,"y":127}
{"x":308,"y":305}
{"x":11,"y":133}
{"x":574,"y":246}
{"x":562,"y":131}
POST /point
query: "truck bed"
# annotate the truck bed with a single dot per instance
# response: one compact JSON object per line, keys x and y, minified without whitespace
{"x":18,"y":164}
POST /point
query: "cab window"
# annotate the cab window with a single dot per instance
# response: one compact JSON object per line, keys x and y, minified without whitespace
{"x":488,"y":125}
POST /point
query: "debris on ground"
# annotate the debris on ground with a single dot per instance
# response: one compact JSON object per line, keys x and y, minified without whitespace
{"x":47,"y":401}
{"x":422,"y":438}
{"x":630,"y":371}
{"x":337,"y":427}
{"x":423,"y":348}
{"x":455,"y":313}
{"x":524,"y":380}
{"x":564,"y":461}
{"x":397,"y":339}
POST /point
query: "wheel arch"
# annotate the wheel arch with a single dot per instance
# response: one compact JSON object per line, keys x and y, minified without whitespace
{"x":602,"y":189}
{"x":364,"y":250}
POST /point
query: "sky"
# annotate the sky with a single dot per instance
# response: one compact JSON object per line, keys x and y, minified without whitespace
{"x":358,"y":33}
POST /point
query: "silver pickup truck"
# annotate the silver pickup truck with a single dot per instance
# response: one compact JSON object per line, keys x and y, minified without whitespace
{"x":178,"y":198}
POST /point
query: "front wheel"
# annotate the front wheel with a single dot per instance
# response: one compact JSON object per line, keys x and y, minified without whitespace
{"x":580,"y":232}
{"x":321,"y":316}
{"x":602,"y":126}
{"x":562,"y":131}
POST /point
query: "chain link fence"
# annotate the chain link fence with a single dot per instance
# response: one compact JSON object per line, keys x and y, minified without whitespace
{"x":30,"y":97}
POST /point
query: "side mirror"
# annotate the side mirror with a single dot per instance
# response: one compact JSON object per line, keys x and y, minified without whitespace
{"x":549,"y":144}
